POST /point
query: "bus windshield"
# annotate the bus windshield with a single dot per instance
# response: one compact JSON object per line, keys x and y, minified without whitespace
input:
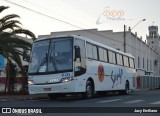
{"x":53,"y":55}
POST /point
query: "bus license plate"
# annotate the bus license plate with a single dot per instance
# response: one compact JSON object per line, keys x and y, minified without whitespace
{"x":47,"y":89}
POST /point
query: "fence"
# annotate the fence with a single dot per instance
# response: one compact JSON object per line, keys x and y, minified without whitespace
{"x":147,"y":82}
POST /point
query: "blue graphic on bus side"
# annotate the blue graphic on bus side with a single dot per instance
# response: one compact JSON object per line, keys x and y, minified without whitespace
{"x":116,"y":77}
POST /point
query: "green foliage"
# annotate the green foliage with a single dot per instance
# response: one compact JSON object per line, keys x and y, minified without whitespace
{"x":12,"y":45}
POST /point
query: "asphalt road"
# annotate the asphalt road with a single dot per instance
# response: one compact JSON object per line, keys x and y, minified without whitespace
{"x":139,"y":101}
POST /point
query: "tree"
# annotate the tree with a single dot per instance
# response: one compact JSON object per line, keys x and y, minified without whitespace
{"x":12,"y":45}
{"x":10,"y":72}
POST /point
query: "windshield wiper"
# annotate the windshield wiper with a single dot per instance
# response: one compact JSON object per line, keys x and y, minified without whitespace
{"x":45,"y":60}
{"x":52,"y":59}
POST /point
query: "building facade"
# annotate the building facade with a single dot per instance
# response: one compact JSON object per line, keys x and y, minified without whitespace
{"x":146,"y":53}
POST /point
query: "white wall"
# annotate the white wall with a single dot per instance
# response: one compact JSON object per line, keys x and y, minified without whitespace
{"x":134,"y":45}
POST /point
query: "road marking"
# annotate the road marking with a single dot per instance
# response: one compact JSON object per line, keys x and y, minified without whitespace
{"x":108,"y":101}
{"x":87,"y":100}
{"x":155,"y":103}
{"x":134,"y":101}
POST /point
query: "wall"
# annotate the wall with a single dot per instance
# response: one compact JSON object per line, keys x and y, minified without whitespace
{"x":134,"y":45}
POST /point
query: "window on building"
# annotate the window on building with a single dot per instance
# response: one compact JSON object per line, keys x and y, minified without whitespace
{"x":150,"y":65}
{"x":138,"y":62}
{"x":147,"y":64}
{"x":143,"y":63}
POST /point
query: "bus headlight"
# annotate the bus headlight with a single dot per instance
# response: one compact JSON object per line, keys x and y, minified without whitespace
{"x":30,"y":82}
{"x":67,"y":79}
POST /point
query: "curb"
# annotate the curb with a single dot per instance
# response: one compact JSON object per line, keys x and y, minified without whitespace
{"x":22,"y":97}
{"x":146,"y":89}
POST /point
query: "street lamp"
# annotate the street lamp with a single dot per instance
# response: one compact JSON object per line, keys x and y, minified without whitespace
{"x":138,"y":23}
{"x":130,"y":30}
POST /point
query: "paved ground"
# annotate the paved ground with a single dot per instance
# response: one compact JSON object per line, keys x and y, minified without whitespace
{"x":28,"y":97}
{"x":21,"y":97}
{"x":139,"y":99}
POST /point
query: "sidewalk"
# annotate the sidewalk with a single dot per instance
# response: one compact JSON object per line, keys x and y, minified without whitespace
{"x":143,"y":89}
{"x":21,"y":97}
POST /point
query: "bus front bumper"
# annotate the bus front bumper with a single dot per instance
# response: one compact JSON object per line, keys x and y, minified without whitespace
{"x":67,"y":87}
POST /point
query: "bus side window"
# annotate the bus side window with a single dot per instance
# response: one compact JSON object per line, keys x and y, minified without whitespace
{"x":126,"y":63}
{"x":89,"y":51}
{"x":105,"y":55}
{"x":95,"y":52}
{"x":131,"y":62}
{"x":101,"y":55}
{"x":119,"y":59}
{"x":92,"y":51}
{"x":112,"y":57}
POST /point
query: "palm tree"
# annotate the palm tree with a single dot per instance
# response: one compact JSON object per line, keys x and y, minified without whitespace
{"x":7,"y":23}
{"x":11,"y":45}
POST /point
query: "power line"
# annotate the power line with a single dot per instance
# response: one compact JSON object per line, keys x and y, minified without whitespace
{"x":89,"y":7}
{"x":31,"y":3}
{"x":43,"y":14}
{"x":65,"y":22}
{"x":79,"y":7}
{"x":59,"y":20}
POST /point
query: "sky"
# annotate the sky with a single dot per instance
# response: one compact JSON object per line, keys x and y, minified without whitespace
{"x":45,"y":16}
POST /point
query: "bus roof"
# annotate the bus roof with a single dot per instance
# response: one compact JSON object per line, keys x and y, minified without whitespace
{"x":86,"y":39}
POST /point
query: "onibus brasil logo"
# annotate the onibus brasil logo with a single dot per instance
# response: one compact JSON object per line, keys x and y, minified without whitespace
{"x":111,"y":15}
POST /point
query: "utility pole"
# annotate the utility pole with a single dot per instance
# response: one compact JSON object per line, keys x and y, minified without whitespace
{"x":125,"y":38}
{"x":127,"y":33}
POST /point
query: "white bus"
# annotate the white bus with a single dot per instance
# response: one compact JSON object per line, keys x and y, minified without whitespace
{"x":75,"y":64}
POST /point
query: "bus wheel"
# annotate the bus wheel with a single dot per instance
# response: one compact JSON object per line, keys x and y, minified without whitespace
{"x":89,"y":90}
{"x":126,"y":87}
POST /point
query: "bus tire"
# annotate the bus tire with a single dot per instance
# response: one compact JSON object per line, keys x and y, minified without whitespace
{"x":89,"y":90}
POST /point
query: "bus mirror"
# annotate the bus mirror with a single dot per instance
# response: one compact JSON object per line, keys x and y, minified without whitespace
{"x":77,"y":52}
